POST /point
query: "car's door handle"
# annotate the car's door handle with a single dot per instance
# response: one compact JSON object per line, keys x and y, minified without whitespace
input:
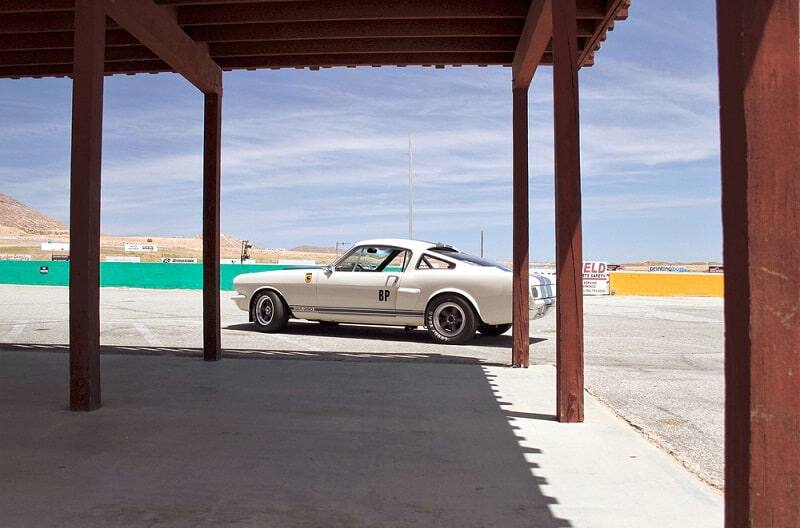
{"x":394,"y":280}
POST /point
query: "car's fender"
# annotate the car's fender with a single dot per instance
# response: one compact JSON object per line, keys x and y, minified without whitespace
{"x":260,"y":289}
{"x":457,"y":291}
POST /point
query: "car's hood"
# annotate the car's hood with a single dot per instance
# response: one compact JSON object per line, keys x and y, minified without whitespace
{"x":541,"y":280}
{"x":285,"y":276}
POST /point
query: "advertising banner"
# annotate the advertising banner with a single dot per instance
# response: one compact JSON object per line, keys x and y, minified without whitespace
{"x":179,"y":260}
{"x":55,"y":246}
{"x":595,"y":278}
{"x":238,"y":261}
{"x":123,"y":259}
{"x":141,"y":248}
{"x":668,"y":269}
{"x":14,"y":257}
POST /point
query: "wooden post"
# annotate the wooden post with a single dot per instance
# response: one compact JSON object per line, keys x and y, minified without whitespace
{"x":212,"y":344}
{"x":759,"y":73}
{"x":520,"y":352}
{"x":84,"y":270}
{"x":569,"y":254}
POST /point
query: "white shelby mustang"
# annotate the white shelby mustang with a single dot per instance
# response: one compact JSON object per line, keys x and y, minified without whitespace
{"x":393,"y":282}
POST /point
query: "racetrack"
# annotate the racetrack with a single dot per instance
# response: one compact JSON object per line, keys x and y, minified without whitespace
{"x":658,"y":362}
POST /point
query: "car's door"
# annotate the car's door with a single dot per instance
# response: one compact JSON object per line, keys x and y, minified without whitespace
{"x":361,"y":285}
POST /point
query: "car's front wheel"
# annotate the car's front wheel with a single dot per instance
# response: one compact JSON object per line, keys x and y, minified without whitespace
{"x":269,"y":312}
{"x":493,"y":330}
{"x":451,"y":320}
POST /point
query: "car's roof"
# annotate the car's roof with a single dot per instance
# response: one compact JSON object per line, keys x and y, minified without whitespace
{"x":413,"y":245}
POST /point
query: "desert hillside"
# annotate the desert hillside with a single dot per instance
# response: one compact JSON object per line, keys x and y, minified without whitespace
{"x":16,"y":218}
{"x":23,"y":229}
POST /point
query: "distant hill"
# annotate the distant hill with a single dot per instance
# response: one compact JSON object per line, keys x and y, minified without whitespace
{"x":313,"y":249}
{"x":16,"y":218}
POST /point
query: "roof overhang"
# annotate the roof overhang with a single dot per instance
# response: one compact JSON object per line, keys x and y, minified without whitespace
{"x":36,"y":37}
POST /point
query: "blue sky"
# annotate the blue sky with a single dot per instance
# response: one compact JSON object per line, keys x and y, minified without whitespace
{"x":315,"y":157}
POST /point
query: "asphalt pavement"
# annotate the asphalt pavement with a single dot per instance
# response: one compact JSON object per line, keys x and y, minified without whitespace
{"x":656,"y":362}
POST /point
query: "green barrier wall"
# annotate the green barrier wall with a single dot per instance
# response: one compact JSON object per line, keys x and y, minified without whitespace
{"x":129,"y":274}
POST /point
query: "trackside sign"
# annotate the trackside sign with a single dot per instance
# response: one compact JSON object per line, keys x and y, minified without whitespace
{"x":179,"y":260}
{"x":595,"y":278}
{"x":141,"y":248}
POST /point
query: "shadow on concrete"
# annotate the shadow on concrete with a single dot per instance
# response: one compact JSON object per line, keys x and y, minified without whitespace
{"x":263,"y":443}
{"x":382,"y":333}
{"x":264,"y":353}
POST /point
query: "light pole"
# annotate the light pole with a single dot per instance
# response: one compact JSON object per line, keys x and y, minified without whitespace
{"x":245,"y":255}
{"x":340,"y":244}
{"x":410,"y":192}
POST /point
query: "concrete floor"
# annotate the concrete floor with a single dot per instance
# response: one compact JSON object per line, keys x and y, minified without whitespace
{"x":658,"y":362}
{"x":369,"y":442}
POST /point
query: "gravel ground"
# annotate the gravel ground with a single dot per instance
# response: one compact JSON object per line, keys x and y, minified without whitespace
{"x":657,"y":362}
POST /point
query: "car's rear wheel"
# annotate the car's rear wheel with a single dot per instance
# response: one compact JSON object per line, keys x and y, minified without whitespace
{"x":269,"y":312}
{"x":451,"y":320}
{"x":494,"y":330}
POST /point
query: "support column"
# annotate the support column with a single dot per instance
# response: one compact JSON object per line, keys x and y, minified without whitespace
{"x":84,"y":269}
{"x":520,"y":352}
{"x":569,"y":253}
{"x":212,"y":342}
{"x":759,"y":74}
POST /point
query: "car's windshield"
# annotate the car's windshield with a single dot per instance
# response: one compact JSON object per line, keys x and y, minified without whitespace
{"x":469,"y":259}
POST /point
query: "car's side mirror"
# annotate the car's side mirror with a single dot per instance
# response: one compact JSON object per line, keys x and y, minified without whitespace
{"x":327,"y":270}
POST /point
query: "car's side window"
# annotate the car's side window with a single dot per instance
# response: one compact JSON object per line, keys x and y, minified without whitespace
{"x":350,"y":261}
{"x":430,"y":262}
{"x":372,"y":258}
{"x":399,"y":262}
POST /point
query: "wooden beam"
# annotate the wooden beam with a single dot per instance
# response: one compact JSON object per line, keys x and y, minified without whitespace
{"x":355,"y":29}
{"x":84,"y":269}
{"x":59,"y":40}
{"x":329,"y":10}
{"x":32,"y":22}
{"x":616,"y":8}
{"x":533,"y":42}
{"x":569,"y":252}
{"x":243,"y":33}
{"x":37,"y":6}
{"x":212,"y":144}
{"x":759,"y":74}
{"x":284,"y":48}
{"x":300,"y":61}
{"x":520,"y":351}
{"x":361,"y":46}
{"x":156,"y":28}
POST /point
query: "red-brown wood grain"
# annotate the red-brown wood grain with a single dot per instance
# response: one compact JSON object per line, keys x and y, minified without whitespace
{"x":569,"y":253}
{"x":84,"y":271}
{"x":759,"y":72}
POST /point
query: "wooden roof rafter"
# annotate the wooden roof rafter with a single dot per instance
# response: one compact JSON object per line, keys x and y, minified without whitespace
{"x":36,"y":36}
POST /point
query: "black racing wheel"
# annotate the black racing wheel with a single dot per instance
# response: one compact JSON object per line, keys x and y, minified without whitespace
{"x":451,"y":320}
{"x":269,"y":312}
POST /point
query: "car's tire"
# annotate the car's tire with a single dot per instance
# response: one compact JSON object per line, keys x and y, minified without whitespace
{"x":451,"y":320}
{"x":269,"y":312}
{"x":494,"y":330}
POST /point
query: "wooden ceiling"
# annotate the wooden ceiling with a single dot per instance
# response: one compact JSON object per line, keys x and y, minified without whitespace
{"x":36,"y":37}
